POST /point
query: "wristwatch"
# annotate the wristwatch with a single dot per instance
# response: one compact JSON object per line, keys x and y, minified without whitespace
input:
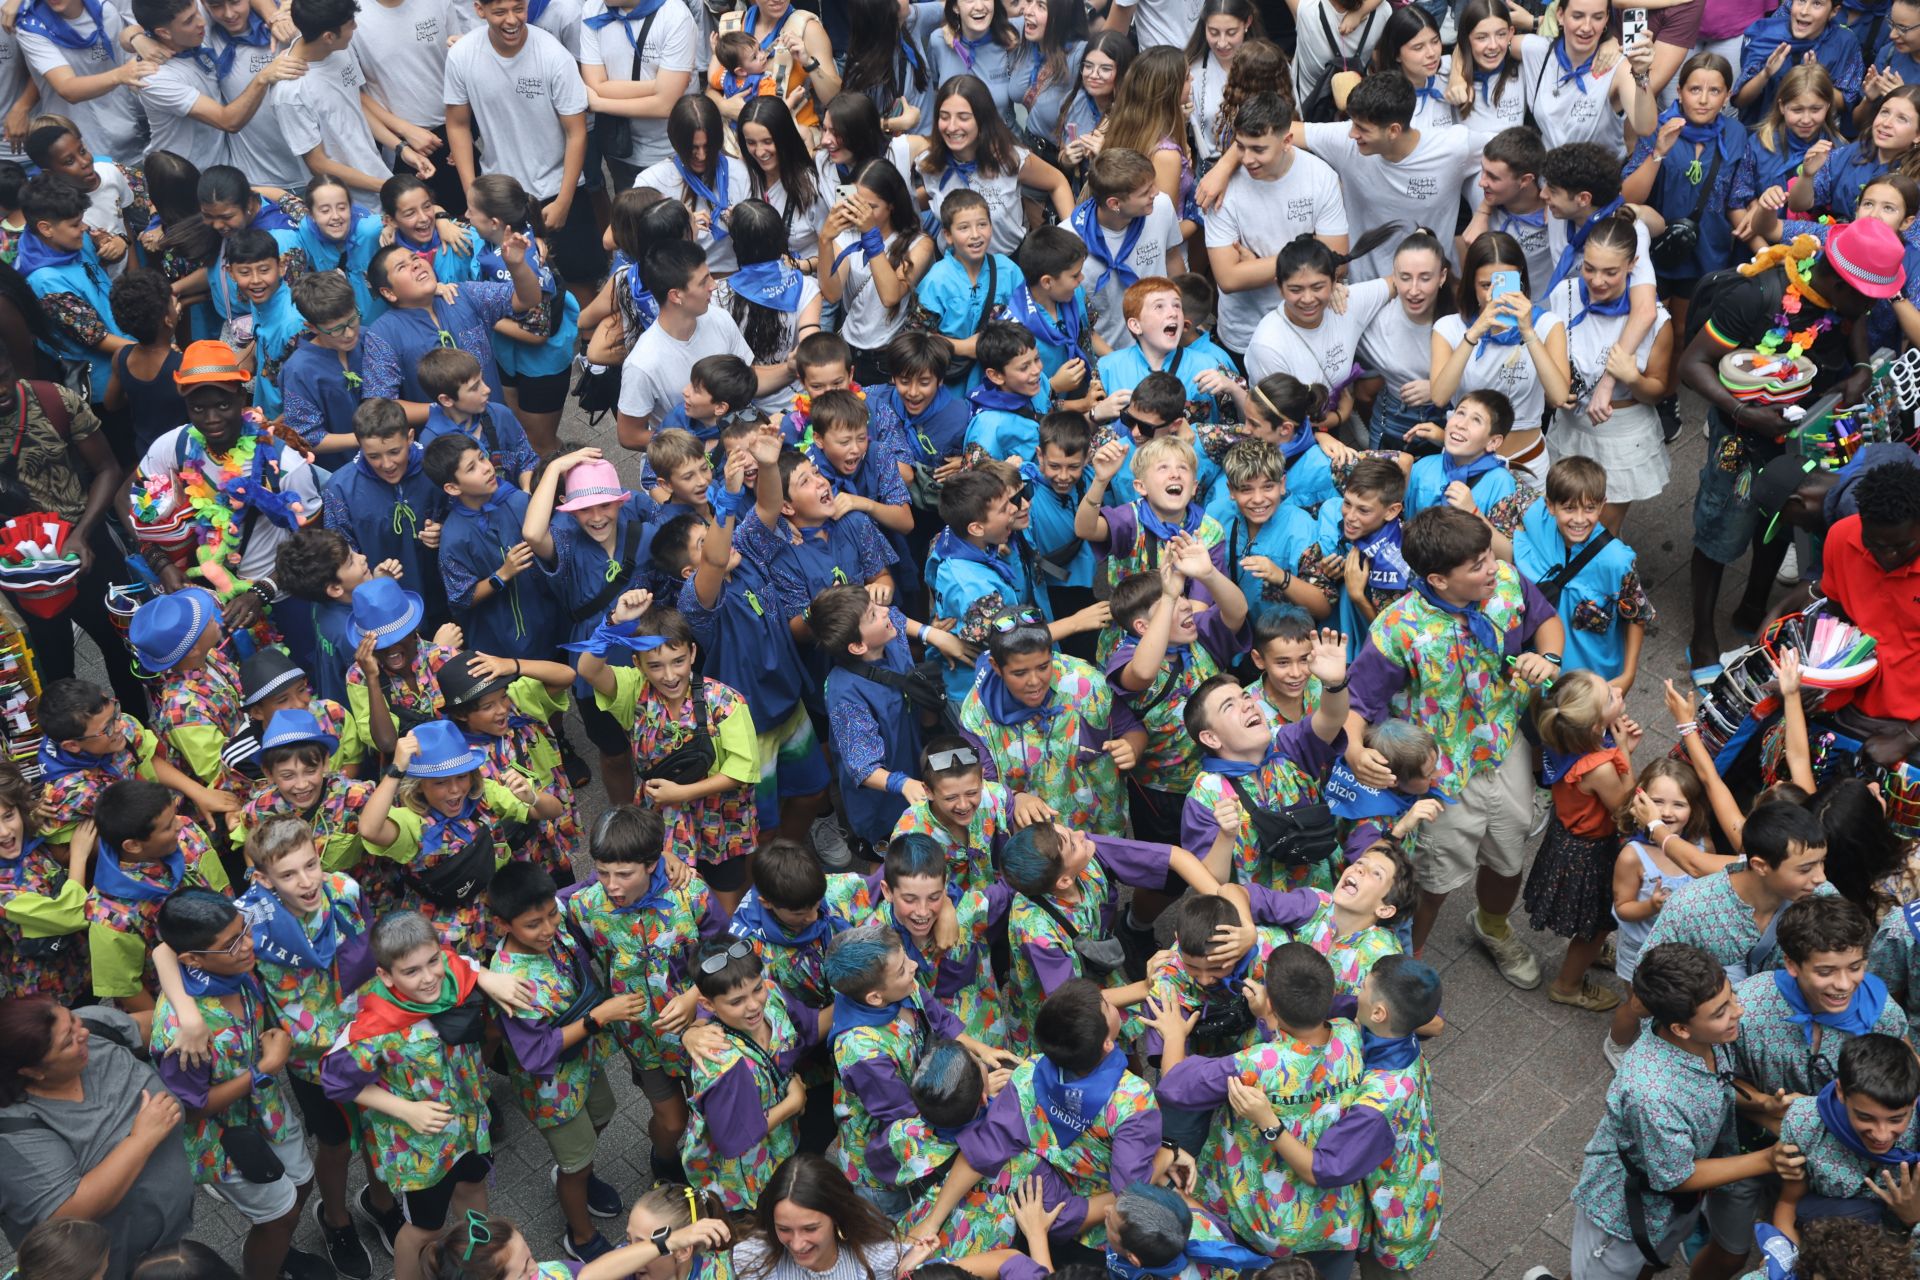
{"x":592,"y":1024}
{"x":659,"y":1238}
{"x":1271,"y":1136}
{"x":261,"y":1079}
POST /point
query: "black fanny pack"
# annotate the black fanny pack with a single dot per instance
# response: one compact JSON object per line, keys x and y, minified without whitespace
{"x":1297,"y":836}
{"x":247,"y":1147}
{"x":465,"y":1023}
{"x":457,"y":880}
{"x":1098,"y":956}
{"x":44,"y":948}
{"x":1224,"y":1015}
{"x":692,"y":761}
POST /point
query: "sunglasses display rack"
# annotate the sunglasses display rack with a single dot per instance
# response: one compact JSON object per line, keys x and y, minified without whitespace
{"x":1833,"y":433}
{"x":19,"y":698}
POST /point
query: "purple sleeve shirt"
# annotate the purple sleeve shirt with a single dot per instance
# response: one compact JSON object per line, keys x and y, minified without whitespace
{"x":1372,"y":682}
{"x":879,"y":1086}
{"x":1135,"y":862}
{"x":1286,"y":908}
{"x":941,"y":1020}
{"x":806,"y":1024}
{"x":735,"y":1120}
{"x":536,"y":1047}
{"x":1197,"y":1084}
{"x":342,"y":1078}
{"x":998,"y":1136}
{"x":1352,"y":1147}
{"x":1135,"y":1144}
{"x":354,"y":962}
{"x":1051,"y":965}
{"x":1123,"y":526}
{"x":189,"y":1084}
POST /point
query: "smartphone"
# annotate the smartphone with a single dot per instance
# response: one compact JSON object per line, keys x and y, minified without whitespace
{"x":1632,"y":23}
{"x":843,"y":193}
{"x":1504,"y":281}
{"x":1073,"y":131}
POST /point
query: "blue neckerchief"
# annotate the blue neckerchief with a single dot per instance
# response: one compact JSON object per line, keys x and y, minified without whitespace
{"x":1508,"y":337}
{"x":948,"y":545}
{"x":202,"y":58}
{"x":438,"y":826}
{"x":496,"y":500}
{"x":1295,"y":446}
{"x":1428,"y":91}
{"x":1000,"y":704}
{"x":716,"y":200}
{"x":1353,"y":799}
{"x":1537,"y":219}
{"x":752,"y":20}
{"x":35,"y":253}
{"x":1380,"y":1053}
{"x":1578,"y":75}
{"x":645,"y":309}
{"x":1237,"y":768}
{"x":1483,"y":81}
{"x":836,"y":480}
{"x":625,"y":17}
{"x":317,"y":242}
{"x":1478,"y":623}
{"x":1071,"y":1107}
{"x":56,"y":762}
{"x":988,"y":396}
{"x":113,"y":882}
{"x":40,"y":19}
{"x":1764,"y":37}
{"x":1702,"y":135}
{"x":849,"y":1013}
{"x":913,"y":54}
{"x":493,"y":263}
{"x":1150,"y":521}
{"x":1777,"y":1252}
{"x":732,"y":86}
{"x":771,"y":284}
{"x":427,"y":249}
{"x":1833,"y":1114}
{"x":1554,"y":763}
{"x":655,"y":898}
{"x":615,"y":637}
{"x":1119,"y":1268}
{"x":1467,"y":472}
{"x":1064,"y":332}
{"x":198,"y":982}
{"x":535,"y":8}
{"x":964,"y":168}
{"x":258,"y":35}
{"x":950,"y":1133}
{"x":1086,"y":223}
{"x":1617,"y":307}
{"x":10,"y":871}
{"x":1386,"y":565}
{"x":280,"y":937}
{"x":1857,"y":1019}
{"x":967,"y":49}
{"x":752,"y":914}
{"x":1576,"y":241}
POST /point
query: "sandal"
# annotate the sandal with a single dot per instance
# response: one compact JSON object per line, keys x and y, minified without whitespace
{"x":1591,"y":996}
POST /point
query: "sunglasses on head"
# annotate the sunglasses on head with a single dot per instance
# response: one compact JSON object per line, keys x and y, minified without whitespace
{"x":959,"y":757}
{"x":721,"y":959}
{"x":1028,"y":617}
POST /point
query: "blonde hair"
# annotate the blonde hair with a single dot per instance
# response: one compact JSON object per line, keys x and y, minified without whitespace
{"x":1167,"y":447}
{"x":1571,"y":716}
{"x":1146,"y":105}
{"x":1805,"y":79}
{"x":275,"y":838}
{"x":673,"y":449}
{"x":410,"y":793}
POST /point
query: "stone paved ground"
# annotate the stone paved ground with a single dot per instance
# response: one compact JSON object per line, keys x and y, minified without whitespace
{"x":1518,"y":1081}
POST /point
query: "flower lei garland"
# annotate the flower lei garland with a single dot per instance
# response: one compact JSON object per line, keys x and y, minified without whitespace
{"x":1798,"y":259}
{"x":801,"y":417}
{"x":216,"y":492}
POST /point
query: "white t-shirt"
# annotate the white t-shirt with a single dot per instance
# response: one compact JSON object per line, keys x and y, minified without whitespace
{"x":1419,"y":191}
{"x":653,"y":378}
{"x":1162,"y":21}
{"x":1561,"y":112}
{"x":1534,"y":240}
{"x":517,"y":103}
{"x":1436,"y":113}
{"x":1508,"y":370}
{"x":1397,"y":347}
{"x":803,"y":229}
{"x":263,"y":544}
{"x":1209,"y":85}
{"x":1324,"y":354}
{"x":665,"y":178}
{"x":170,"y":93}
{"x":111,"y":122}
{"x":1159,"y":233}
{"x":1002,"y":195}
{"x":261,"y":150}
{"x":1557,"y":232}
{"x":1314,"y":54}
{"x":671,"y":46}
{"x":560,"y":19}
{"x":1265,"y":217}
{"x":105,"y":205}
{"x":899,"y":153}
{"x":779,"y":401}
{"x":13,"y":78}
{"x":322,"y":109}
{"x":403,"y":53}
{"x":865,"y":323}
{"x":1589,"y":342}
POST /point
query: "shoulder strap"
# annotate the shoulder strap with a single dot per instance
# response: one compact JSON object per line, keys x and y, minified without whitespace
{"x":53,"y":407}
{"x":1556,"y":582}
{"x":1056,"y":915}
{"x":1757,"y":953}
{"x":629,"y":546}
{"x":986,"y":303}
{"x":1706,"y":187}
{"x":640,"y":45}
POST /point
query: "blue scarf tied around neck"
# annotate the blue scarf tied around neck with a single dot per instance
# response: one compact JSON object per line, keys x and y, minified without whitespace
{"x":625,"y":17}
{"x":1064,"y":332}
{"x":1086,"y":224}
{"x":258,"y":35}
{"x":1000,"y":704}
{"x":1484,"y":80}
{"x":717,"y":201}
{"x":35,"y":253}
{"x":988,"y":396}
{"x":968,"y":50}
{"x":1430,"y":91}
{"x":1150,"y":521}
{"x":849,"y":1013}
{"x":948,"y":545}
{"x":1468,"y":472}
{"x":1071,"y":1106}
{"x":495,"y":501}
{"x":1386,"y":565}
{"x":1479,"y":625}
{"x":439,"y":828}
{"x":10,"y":870}
{"x":754,"y":917}
{"x":40,"y":19}
{"x":1833,"y":1114}
{"x":655,"y":898}
{"x":1295,"y":446}
{"x":771,"y":284}
{"x":280,"y":936}
{"x":732,"y":86}
{"x":113,"y":882}
{"x":1509,"y":337}
{"x":956,"y":167}
{"x":1388,"y":1053}
{"x":1238,"y":768}
{"x":1569,"y":72}
{"x":1617,"y":307}
{"x":1576,"y":242}
{"x":1224,"y":1254}
{"x":1353,"y":799}
{"x":1857,"y":1019}
{"x":56,"y":762}
{"x":198,"y":982}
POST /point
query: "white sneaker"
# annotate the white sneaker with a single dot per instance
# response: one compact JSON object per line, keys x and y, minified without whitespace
{"x":830,"y":843}
{"x":1789,"y":568}
{"x":1615,"y":1053}
{"x":1539,"y":1273}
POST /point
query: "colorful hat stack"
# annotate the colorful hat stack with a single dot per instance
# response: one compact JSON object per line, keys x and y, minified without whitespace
{"x":1766,"y":379}
{"x":162,"y":517}
{"x":36,"y":567}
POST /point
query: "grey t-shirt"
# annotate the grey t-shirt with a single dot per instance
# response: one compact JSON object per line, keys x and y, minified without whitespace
{"x":58,"y":1142}
{"x":403,"y":52}
{"x":517,"y":103}
{"x":670,"y":46}
{"x":171,"y":94}
{"x":877,"y":1263}
{"x":322,"y":108}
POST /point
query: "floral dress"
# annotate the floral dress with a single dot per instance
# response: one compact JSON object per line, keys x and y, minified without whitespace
{"x":197,"y":710}
{"x":645,"y":947}
{"x":738,"y":1177}
{"x":235,"y":1046}
{"x":972,"y":865}
{"x":559,"y":980}
{"x":714,"y":828}
{"x":43,"y":921}
{"x":1056,"y":755}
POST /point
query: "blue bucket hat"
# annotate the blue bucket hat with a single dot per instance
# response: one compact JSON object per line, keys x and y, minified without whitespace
{"x":386,"y":609}
{"x":295,"y":727}
{"x":444,"y":751}
{"x":165,"y":629}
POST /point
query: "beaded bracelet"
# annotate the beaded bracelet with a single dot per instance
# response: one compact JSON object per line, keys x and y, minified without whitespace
{"x":1686,"y":727}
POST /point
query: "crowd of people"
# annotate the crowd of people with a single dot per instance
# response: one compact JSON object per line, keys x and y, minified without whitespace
{"x":1119,"y":510}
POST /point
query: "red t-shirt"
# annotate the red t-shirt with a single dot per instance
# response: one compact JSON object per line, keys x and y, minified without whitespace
{"x":1886,"y":605}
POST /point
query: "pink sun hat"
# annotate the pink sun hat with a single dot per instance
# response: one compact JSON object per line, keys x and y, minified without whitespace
{"x":592,"y":483}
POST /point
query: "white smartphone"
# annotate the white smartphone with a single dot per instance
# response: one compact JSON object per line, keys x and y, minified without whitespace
{"x":843,"y":193}
{"x":1632,"y":23}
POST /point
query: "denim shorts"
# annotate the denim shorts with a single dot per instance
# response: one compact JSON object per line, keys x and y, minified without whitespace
{"x":1392,"y":417}
{"x":1724,"y":517}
